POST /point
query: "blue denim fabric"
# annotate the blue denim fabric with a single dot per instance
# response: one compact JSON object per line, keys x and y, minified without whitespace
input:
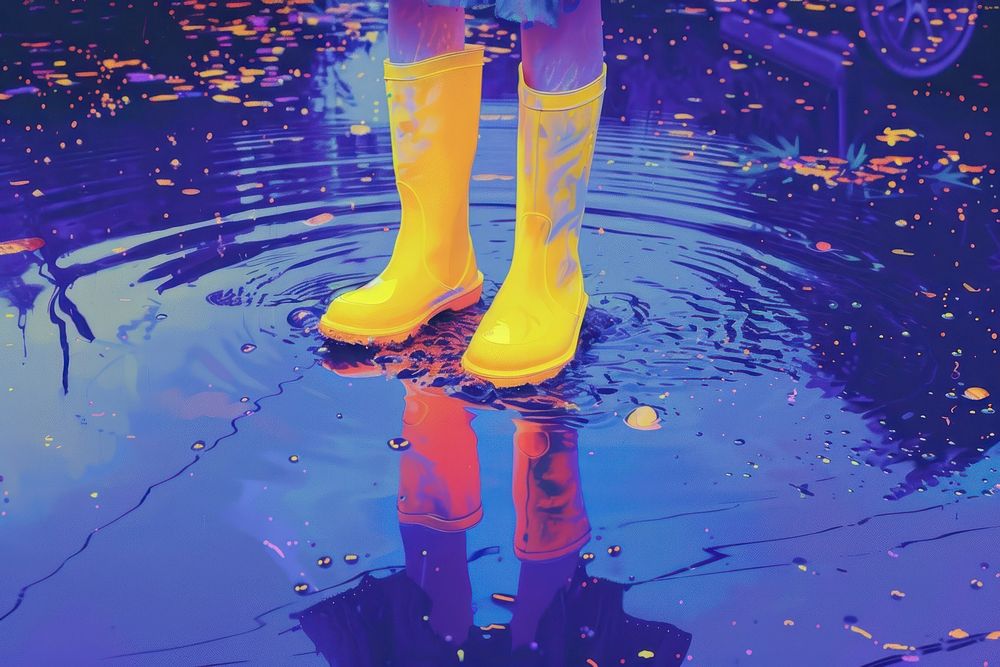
{"x":520,"y":11}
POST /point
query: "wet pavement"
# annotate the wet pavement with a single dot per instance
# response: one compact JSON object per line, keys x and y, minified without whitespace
{"x":778,"y":431}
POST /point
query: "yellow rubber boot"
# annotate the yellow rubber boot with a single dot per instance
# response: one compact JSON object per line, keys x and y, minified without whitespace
{"x":532,"y":328}
{"x":434,"y":123}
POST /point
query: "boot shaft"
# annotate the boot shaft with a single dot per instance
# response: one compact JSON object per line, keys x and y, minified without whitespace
{"x":556,"y":137}
{"x":434,"y":107}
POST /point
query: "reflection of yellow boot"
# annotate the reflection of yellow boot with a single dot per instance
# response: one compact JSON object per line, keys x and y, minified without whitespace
{"x":434,"y":121}
{"x":531,"y":330}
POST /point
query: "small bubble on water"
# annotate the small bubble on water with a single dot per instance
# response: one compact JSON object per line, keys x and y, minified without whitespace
{"x":303,"y":318}
{"x":248,"y":348}
{"x":324,"y":561}
{"x":739,"y":442}
{"x":199,"y":444}
{"x":301,"y":588}
{"x":398,"y":444}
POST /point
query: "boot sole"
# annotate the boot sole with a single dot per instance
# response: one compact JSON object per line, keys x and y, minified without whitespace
{"x":460,"y":301}
{"x":532,"y":375}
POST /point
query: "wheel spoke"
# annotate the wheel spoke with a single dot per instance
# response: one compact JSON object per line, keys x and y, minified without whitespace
{"x":922,"y":13}
{"x":907,"y":22}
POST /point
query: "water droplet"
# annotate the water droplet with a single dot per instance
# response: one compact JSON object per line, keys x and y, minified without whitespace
{"x":303,"y":318}
{"x":324,"y":561}
{"x":399,"y":444}
{"x":302,"y":588}
{"x":248,"y":348}
{"x":199,"y":444}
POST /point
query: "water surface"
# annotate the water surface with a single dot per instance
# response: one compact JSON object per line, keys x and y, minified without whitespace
{"x":816,"y":334}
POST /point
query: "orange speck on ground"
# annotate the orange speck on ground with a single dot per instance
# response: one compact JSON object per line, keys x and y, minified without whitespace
{"x":320,"y":219}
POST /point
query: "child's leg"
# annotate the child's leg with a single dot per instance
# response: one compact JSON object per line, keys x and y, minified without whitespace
{"x":569,"y":55}
{"x":418,"y":30}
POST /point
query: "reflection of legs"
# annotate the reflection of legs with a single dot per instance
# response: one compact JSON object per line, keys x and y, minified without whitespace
{"x":436,"y":561}
{"x":438,"y":501}
{"x":551,"y":524}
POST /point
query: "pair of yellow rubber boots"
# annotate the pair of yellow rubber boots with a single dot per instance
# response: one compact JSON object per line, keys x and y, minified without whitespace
{"x":530,"y":331}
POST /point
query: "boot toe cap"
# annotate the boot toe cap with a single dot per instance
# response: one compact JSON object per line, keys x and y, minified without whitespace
{"x":513,"y":361}
{"x":345,"y":314}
